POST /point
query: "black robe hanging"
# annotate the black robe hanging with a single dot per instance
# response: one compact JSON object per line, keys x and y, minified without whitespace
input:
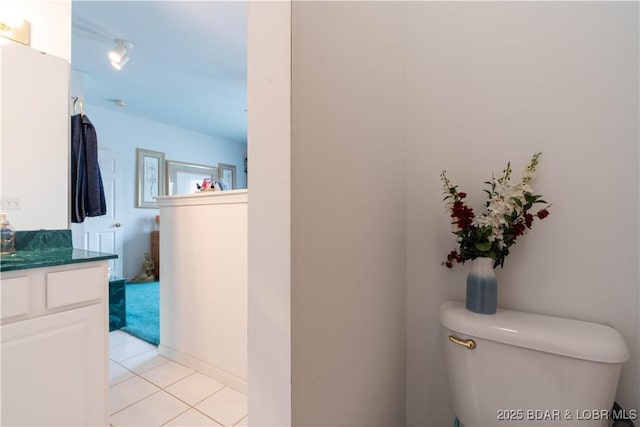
{"x":87,"y":191}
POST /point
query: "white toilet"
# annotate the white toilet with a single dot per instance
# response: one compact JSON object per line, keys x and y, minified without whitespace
{"x":514,"y":369}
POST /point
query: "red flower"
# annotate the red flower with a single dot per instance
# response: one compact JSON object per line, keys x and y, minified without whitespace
{"x":464,"y":223}
{"x":463,"y":213}
{"x":518,"y":229}
{"x":452,"y":256}
{"x":528,"y":219}
{"x":542,"y":213}
{"x":458,"y":207}
{"x":498,"y":228}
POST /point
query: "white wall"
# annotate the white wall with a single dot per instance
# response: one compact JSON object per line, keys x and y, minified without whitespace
{"x":483,"y":83}
{"x":348,"y":214}
{"x":492,"y":82}
{"x":269,"y":282}
{"x":123,"y":133}
{"x":203,"y":291}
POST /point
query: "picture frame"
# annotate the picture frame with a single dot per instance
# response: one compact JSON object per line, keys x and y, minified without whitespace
{"x":227,"y":174}
{"x":182,"y":177}
{"x":149,"y":177}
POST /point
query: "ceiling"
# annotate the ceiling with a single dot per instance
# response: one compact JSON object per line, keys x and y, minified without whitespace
{"x":187,"y":68}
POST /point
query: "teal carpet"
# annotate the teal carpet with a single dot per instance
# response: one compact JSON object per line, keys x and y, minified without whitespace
{"x":143,"y":311}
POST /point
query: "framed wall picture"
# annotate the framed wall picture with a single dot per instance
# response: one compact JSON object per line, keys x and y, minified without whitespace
{"x":227,"y":174}
{"x":150,"y":177}
{"x":183,"y":177}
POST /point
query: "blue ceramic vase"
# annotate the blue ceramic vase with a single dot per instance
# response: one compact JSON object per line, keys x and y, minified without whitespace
{"x":482,"y":287}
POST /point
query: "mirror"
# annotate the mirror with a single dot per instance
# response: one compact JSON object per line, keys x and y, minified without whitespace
{"x":30,"y":150}
{"x":183,"y":177}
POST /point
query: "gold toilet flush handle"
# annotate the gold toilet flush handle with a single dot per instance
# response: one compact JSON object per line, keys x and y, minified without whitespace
{"x":470,"y":344}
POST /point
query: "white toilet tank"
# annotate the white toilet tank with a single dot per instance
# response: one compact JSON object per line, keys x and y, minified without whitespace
{"x":513,"y":368}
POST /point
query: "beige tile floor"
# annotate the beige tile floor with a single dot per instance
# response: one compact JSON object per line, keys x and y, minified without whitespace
{"x":147,"y":389}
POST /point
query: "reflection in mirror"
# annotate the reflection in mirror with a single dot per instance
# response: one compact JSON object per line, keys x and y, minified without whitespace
{"x":183,"y":177}
{"x":227,"y":174}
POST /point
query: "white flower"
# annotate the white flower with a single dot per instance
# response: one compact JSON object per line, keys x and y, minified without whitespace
{"x":505,"y":213}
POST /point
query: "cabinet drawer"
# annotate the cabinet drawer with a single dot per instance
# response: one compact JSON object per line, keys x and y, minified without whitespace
{"x":15,"y":297}
{"x":75,"y":286}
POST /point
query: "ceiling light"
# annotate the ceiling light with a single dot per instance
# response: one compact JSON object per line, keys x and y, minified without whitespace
{"x":119,"y":102}
{"x":119,"y":55}
{"x":118,"y":52}
{"x":118,"y":65}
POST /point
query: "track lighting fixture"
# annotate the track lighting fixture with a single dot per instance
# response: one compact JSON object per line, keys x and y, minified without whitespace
{"x":119,"y":55}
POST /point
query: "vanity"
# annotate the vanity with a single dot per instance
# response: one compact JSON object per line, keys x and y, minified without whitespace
{"x":54,"y":299}
{"x":54,"y":332}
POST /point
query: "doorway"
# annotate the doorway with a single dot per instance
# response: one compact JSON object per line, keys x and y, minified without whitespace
{"x":105,"y":233}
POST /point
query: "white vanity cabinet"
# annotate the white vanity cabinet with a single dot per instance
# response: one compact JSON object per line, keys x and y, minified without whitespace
{"x":54,"y":337}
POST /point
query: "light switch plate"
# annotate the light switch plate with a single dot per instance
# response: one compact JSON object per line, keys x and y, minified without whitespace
{"x":10,"y":203}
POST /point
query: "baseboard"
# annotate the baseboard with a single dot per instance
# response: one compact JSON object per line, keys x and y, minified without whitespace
{"x":209,"y":370}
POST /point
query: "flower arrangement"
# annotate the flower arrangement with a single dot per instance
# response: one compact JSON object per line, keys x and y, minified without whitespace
{"x":508,"y":216}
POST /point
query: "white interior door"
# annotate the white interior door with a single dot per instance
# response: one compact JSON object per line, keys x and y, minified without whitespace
{"x":104,"y":233}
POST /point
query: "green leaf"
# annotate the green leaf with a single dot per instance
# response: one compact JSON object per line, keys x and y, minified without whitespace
{"x":517,"y":201}
{"x":483,"y":247}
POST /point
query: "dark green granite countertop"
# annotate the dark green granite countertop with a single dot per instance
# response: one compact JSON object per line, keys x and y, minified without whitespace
{"x":22,"y":260}
{"x":46,"y":248}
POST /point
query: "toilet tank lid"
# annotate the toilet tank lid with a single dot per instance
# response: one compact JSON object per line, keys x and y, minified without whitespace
{"x":566,"y":337}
